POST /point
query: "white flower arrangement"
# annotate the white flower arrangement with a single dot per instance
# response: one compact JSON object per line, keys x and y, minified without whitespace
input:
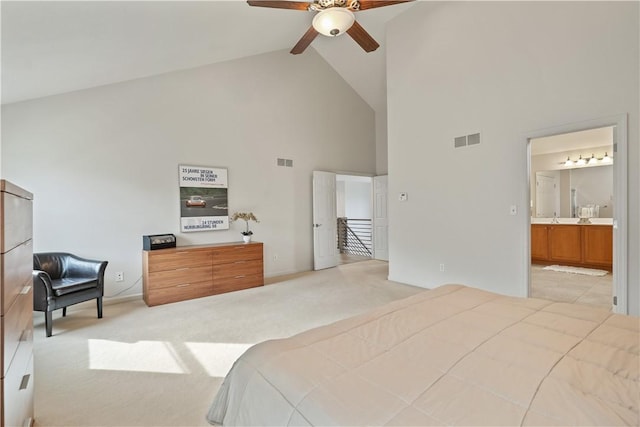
{"x":246,"y":216}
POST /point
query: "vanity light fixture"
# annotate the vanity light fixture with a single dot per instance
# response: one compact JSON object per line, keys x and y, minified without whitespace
{"x":588,"y":161}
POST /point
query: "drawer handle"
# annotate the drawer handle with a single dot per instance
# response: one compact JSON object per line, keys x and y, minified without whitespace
{"x":184,"y":285}
{"x":25,"y":382}
{"x":239,"y":277}
{"x":25,"y":290}
{"x":182,"y":268}
{"x":240,"y":262}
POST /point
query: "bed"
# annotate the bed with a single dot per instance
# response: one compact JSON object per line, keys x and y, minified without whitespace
{"x":453,"y":355}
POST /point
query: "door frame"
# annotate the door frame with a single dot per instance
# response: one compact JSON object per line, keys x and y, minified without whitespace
{"x":620,"y":196}
{"x":372,"y":201}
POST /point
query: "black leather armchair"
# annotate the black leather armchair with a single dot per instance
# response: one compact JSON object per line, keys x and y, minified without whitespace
{"x":62,"y":279}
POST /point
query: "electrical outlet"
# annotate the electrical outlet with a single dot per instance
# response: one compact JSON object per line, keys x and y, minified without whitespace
{"x":120,"y":276}
{"x":442,"y":267}
{"x":403,"y":197}
{"x":513,"y":210}
{"x":275,"y":257}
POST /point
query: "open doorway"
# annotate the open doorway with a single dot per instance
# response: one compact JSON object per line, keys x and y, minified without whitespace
{"x":348,"y":197}
{"x":577,"y":227}
{"x":355,"y":224}
{"x":572,"y":217}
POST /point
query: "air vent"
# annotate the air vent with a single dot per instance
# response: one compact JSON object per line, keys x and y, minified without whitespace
{"x":285,"y":162}
{"x":460,"y":141}
{"x":463,"y":141}
{"x":473,"y":139}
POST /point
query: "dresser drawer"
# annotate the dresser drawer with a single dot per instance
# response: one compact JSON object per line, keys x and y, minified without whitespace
{"x":240,"y":252}
{"x":17,"y":324}
{"x":238,"y":282}
{"x":167,"y":278}
{"x":174,"y":259}
{"x":187,"y":272}
{"x":237,"y":268}
{"x":16,"y":267}
{"x":18,"y":224}
{"x":180,"y":292}
{"x":17,"y":391}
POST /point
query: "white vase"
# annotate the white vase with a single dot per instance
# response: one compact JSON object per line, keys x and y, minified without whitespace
{"x":246,"y":238}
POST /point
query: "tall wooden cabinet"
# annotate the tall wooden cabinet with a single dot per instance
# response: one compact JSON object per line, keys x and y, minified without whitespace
{"x":186,"y":272}
{"x":16,"y":305}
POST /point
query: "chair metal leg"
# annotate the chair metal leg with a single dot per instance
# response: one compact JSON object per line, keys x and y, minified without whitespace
{"x":64,"y":311}
{"x":48,"y":322}
{"x":99,"y":303}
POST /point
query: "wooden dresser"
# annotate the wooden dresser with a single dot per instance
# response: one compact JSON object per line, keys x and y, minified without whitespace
{"x":186,"y":272}
{"x":16,"y":305}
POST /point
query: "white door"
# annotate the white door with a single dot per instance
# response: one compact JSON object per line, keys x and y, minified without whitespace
{"x":380,"y":219}
{"x":547,"y":194}
{"x":325,"y":221}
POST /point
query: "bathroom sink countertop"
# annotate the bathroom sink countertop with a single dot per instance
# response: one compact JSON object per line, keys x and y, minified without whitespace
{"x":594,"y":221}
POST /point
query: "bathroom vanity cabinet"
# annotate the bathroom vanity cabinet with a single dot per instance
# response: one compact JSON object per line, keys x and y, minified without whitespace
{"x":580,"y":245}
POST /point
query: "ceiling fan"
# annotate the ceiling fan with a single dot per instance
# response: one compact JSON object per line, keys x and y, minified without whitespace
{"x":333,"y":18}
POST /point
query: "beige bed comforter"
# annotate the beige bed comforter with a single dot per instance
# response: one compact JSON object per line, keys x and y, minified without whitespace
{"x":449,"y":356}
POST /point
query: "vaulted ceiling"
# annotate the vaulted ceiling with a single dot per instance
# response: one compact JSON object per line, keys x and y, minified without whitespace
{"x":52,"y":47}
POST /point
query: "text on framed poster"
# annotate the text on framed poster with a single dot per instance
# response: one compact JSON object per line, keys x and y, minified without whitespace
{"x":203,"y":198}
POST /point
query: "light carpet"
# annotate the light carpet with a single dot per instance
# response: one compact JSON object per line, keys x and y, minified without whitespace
{"x":576,"y":270}
{"x":161,"y":366}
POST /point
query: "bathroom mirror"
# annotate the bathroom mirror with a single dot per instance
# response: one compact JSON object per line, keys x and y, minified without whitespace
{"x":573,"y":193}
{"x":572,"y":175}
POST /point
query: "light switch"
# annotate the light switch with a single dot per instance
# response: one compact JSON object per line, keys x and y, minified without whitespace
{"x":403,"y":197}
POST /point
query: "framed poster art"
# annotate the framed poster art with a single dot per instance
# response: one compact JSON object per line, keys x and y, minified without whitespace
{"x":203,"y":198}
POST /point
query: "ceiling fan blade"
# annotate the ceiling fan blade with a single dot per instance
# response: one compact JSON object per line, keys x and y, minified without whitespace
{"x":280,"y":4}
{"x":363,"y":38}
{"x":371,"y":4}
{"x":305,"y":41}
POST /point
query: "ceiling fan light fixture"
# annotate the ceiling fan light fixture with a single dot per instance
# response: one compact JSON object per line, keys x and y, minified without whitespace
{"x":333,"y":21}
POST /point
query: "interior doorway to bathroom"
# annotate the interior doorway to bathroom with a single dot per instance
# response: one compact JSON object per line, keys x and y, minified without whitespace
{"x":573,"y":224}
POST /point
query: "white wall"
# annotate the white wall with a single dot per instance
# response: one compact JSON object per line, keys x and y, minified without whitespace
{"x":358,"y":199}
{"x":340,"y":198}
{"x":103,"y":163}
{"x":354,"y":196}
{"x":505,"y":69}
